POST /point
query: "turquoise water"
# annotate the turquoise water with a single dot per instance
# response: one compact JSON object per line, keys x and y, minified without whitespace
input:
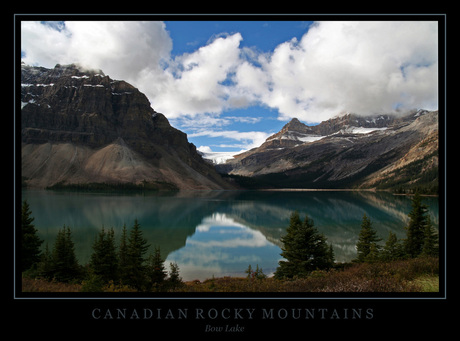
{"x":219,"y":232}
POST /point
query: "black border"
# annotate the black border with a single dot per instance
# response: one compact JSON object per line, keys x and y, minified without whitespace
{"x":399,"y":310}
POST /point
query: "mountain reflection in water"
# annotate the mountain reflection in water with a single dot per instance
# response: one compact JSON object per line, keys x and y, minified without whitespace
{"x":219,"y":232}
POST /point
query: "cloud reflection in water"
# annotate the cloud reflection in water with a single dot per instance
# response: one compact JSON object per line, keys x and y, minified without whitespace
{"x":221,"y":246}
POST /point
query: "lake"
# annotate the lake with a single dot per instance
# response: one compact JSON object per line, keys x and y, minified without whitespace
{"x":219,"y":233}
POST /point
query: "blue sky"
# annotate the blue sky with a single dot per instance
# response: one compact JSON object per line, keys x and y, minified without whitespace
{"x":263,"y":36}
{"x":231,"y":84}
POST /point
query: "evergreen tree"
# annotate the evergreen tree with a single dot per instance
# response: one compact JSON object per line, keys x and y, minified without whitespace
{"x":249,"y":271}
{"x":156,"y":271}
{"x":393,"y":249}
{"x":331,"y":256}
{"x":64,"y":265}
{"x":367,"y":247}
{"x":431,"y":240}
{"x":123,"y":256}
{"x":104,"y":260}
{"x":45,"y":267}
{"x":137,"y":247}
{"x":257,"y":274}
{"x":418,"y":223}
{"x":30,"y":242}
{"x":304,"y":249}
{"x":374,"y":254}
{"x":174,"y":278}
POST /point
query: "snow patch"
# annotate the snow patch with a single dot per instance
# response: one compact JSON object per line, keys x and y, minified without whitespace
{"x":311,"y":138}
{"x":28,"y":85}
{"x":215,"y":157}
{"x":121,"y":93}
{"x":23,"y":104}
{"x":298,"y":137}
{"x":357,"y":130}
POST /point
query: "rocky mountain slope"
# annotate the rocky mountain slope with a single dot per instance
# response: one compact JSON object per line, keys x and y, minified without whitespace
{"x":347,"y":151}
{"x":80,"y":126}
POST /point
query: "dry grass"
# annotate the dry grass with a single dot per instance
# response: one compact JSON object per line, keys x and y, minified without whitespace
{"x":42,"y":285}
{"x":428,"y":283}
{"x":413,"y":275}
{"x":399,"y":276}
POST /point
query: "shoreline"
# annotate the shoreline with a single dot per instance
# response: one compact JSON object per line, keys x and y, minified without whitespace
{"x":373,"y":190}
{"x":140,"y":190}
{"x":320,"y":190}
{"x":419,"y":274}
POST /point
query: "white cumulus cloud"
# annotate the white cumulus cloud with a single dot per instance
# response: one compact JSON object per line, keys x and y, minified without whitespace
{"x":122,"y":49}
{"x":363,"y":67}
{"x":196,"y":81}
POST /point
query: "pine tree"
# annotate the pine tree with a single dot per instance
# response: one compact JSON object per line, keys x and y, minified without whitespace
{"x":45,"y":267}
{"x":304,"y":249}
{"x":174,"y":280}
{"x":156,"y":271}
{"x":30,"y":242}
{"x":64,"y":265}
{"x":104,"y":260}
{"x":367,"y":247}
{"x":331,"y":255}
{"x":431,"y":240}
{"x":137,"y":247}
{"x":259,"y":273}
{"x":415,"y":231}
{"x":249,"y":271}
{"x":123,"y":256}
{"x":393,"y":249}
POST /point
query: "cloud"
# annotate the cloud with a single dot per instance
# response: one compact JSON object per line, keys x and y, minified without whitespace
{"x":364,"y":67}
{"x":227,"y":233}
{"x":211,"y":126}
{"x":203,"y":121}
{"x":140,"y":53}
{"x":197,"y":80}
{"x":247,"y":140}
{"x":124,"y":50}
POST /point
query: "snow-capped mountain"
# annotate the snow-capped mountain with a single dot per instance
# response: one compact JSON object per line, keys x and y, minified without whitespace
{"x":344,"y":151}
{"x":296,"y":133}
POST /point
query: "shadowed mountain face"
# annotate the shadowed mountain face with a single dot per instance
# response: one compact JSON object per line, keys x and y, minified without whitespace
{"x":80,"y":126}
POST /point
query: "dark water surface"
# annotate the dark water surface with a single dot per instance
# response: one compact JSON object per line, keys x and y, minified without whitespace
{"x":219,"y":232}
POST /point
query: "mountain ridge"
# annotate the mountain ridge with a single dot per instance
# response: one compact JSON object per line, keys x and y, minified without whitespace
{"x":346,"y":151}
{"x":79,"y":126}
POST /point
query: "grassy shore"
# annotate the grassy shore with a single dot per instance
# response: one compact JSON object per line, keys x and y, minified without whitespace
{"x":413,"y":275}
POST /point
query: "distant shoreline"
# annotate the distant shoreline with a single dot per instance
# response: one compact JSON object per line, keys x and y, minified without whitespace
{"x":321,"y":190}
{"x":131,"y":187}
{"x":339,"y":190}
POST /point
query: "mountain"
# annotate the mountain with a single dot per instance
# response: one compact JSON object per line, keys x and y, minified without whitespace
{"x":382,"y":151}
{"x":79,"y":126}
